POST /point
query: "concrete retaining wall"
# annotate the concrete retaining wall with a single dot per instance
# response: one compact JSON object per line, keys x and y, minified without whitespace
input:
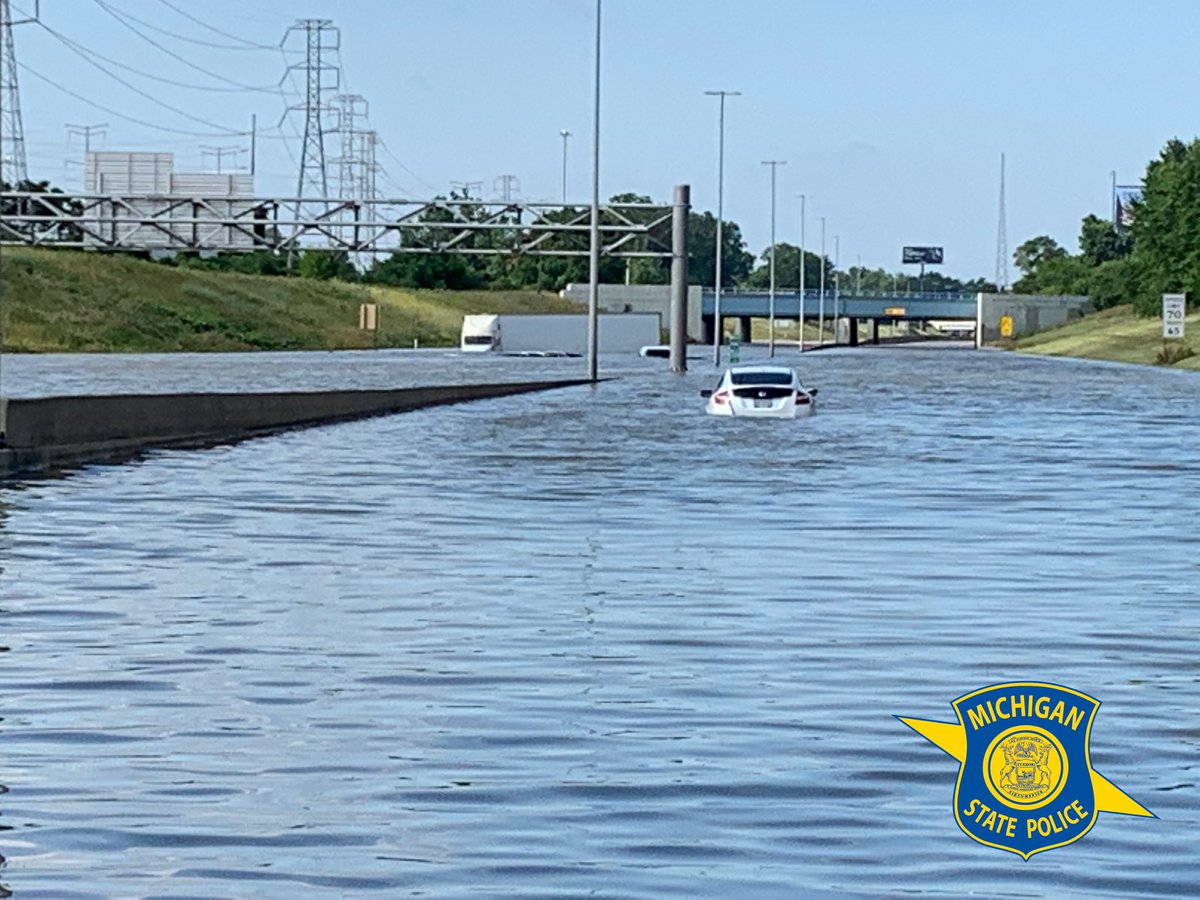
{"x":1029,"y":313}
{"x":48,"y":432}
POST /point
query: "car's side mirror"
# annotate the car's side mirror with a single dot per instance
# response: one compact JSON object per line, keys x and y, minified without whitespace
{"x":706,"y":393}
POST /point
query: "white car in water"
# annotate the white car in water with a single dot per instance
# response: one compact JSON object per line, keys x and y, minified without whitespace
{"x":761,"y":392}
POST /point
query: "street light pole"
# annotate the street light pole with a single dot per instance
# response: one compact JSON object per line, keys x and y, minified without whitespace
{"x":821,"y":295}
{"x":803,"y":198}
{"x":720,"y":222}
{"x":565,"y":134}
{"x":774,"y":164}
{"x":594,"y":249}
{"x":837,"y":281}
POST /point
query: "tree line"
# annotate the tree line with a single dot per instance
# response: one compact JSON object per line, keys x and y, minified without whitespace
{"x":1157,"y":252}
{"x":507,"y":271}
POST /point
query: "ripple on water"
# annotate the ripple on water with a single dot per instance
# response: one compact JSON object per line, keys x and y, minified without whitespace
{"x":592,"y":643}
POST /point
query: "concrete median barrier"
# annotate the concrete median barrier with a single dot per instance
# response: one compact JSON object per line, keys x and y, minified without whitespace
{"x":47,"y":433}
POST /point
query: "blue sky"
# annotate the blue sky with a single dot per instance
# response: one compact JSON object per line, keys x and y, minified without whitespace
{"x":891,"y":115}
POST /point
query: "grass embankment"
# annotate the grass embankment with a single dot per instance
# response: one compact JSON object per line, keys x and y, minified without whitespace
{"x":1113,"y":334}
{"x":63,"y":301}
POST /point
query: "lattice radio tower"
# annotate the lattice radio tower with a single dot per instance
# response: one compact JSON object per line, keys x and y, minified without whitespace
{"x":12,"y":149}
{"x":320,"y":79}
{"x":1002,"y":238}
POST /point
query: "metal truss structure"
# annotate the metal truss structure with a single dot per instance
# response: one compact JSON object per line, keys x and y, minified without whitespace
{"x":359,"y":225}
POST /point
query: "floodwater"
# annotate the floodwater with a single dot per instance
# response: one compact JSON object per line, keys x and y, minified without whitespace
{"x":592,"y":643}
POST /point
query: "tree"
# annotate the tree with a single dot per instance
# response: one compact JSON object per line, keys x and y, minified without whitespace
{"x":1100,"y":242}
{"x":54,"y":200}
{"x":1036,"y":251}
{"x":1166,"y":225}
{"x":787,"y":269}
{"x":326,"y":264}
{"x":736,"y":263}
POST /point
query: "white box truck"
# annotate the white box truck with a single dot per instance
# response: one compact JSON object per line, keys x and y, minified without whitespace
{"x":559,"y":333}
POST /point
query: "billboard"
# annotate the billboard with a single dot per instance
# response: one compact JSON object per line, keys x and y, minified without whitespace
{"x":1125,"y":199}
{"x":922,"y":255}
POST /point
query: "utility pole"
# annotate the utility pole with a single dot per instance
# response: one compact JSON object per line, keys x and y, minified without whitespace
{"x":720,"y":224}
{"x":86,"y":132}
{"x":220,"y":153}
{"x":12,"y":148}
{"x":466,"y":187}
{"x":774,"y":164}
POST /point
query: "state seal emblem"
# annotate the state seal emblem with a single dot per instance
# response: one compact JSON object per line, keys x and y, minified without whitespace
{"x":1025,"y":778}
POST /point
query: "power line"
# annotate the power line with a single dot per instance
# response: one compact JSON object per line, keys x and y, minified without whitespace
{"x":249,"y":45}
{"x":148,"y":96}
{"x":172,"y":34}
{"x":85,"y":51}
{"x":112,"y":112}
{"x":171,"y":53}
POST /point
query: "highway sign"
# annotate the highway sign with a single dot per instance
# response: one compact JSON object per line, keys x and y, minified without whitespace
{"x":1172,"y":314}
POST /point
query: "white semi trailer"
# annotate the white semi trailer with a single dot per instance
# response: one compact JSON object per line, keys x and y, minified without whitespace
{"x":559,"y":333}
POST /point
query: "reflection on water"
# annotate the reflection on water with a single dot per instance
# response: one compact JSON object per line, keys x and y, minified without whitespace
{"x":591,"y":642}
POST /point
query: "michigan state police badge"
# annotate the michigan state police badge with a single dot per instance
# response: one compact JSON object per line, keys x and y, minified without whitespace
{"x":1025,"y":779}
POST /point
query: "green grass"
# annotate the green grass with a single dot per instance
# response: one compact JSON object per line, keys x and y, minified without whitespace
{"x":1113,"y":334}
{"x":71,"y":301}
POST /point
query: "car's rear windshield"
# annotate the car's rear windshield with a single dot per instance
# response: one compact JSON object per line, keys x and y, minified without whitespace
{"x":478,"y":339}
{"x":761,"y":377}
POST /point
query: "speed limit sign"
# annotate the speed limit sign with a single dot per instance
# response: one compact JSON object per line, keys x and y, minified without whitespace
{"x":1173,"y":308}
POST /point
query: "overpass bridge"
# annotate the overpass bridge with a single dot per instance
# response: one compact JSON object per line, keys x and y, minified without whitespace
{"x":876,"y":308}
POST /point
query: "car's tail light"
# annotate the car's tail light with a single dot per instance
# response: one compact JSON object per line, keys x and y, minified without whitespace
{"x":721,"y":398}
{"x":802,"y":397}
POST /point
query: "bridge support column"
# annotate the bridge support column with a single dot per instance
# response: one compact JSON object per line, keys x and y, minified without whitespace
{"x":853,"y":332}
{"x":744,"y":328}
{"x":874,"y":331}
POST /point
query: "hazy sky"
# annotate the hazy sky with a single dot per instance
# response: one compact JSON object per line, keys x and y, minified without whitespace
{"x":891,"y":115}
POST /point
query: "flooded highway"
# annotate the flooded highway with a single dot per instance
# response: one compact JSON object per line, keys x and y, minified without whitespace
{"x":591,"y":642}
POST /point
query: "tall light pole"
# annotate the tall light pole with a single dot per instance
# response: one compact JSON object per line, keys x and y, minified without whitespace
{"x":774,"y":164}
{"x":720,"y":217}
{"x":858,"y":277}
{"x":803,"y":198}
{"x":594,"y":249}
{"x":837,"y":280}
{"x":565,"y":134}
{"x":821,"y":295}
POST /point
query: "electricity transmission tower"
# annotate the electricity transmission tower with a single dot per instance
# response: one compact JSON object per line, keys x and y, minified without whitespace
{"x":1002,"y":238}
{"x":350,"y":163}
{"x":320,"y":79}
{"x":12,"y":148}
{"x":369,"y":167}
{"x":504,"y":185}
